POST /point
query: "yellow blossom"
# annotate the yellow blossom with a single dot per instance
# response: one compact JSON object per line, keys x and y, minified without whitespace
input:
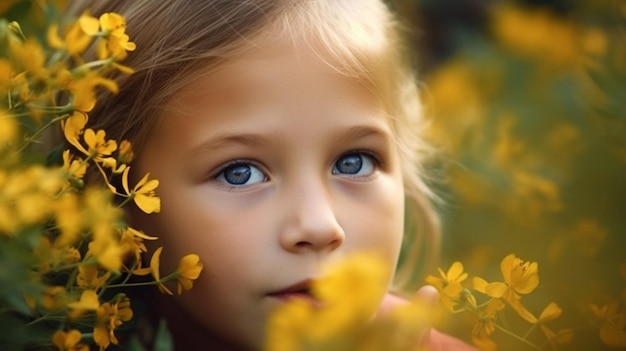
{"x":113,"y":24}
{"x":69,"y":341}
{"x":74,"y":168}
{"x":107,"y":250}
{"x":189,"y":269}
{"x":116,"y":42}
{"x":88,"y":302}
{"x":88,"y":24}
{"x":449,"y":284}
{"x":613,"y":328}
{"x":143,"y":193}
{"x":83,"y":89}
{"x":75,"y":41}
{"x":126,"y":154}
{"x":73,"y":128}
{"x":133,"y":239}
{"x":348,"y":292}
{"x":8,"y":129}
{"x":155,"y":263}
{"x":68,"y":219}
{"x":110,"y":317}
{"x":520,"y":276}
{"x":29,"y":55}
{"x":97,"y":143}
{"x":89,"y":277}
{"x":53,"y":298}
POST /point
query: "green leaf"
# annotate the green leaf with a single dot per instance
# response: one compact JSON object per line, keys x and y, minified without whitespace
{"x":163,"y":341}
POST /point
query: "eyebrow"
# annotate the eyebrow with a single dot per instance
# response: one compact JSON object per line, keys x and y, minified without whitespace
{"x":224,"y":140}
{"x":363,"y":131}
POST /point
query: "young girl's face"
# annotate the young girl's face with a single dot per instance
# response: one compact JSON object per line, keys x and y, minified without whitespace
{"x":270,"y":166}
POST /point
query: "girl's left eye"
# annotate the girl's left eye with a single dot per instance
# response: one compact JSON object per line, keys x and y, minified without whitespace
{"x":355,"y":164}
{"x":241,"y":174}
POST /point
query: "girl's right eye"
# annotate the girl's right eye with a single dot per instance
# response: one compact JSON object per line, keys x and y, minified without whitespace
{"x":241,"y":174}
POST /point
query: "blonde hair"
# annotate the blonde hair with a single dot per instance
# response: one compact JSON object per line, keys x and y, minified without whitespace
{"x":358,"y":38}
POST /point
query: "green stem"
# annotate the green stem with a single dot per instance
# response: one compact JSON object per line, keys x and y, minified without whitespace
{"x":530,"y":330}
{"x":49,"y":317}
{"x":172,"y":276}
{"x":40,"y":131}
{"x":517,"y":337}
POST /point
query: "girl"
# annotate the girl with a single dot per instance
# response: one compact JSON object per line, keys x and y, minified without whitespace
{"x":284,"y":134}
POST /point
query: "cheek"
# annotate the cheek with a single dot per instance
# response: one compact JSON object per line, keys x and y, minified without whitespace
{"x":376,"y":222}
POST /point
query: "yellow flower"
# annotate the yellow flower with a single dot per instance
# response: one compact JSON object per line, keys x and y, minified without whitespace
{"x":613,"y":329}
{"x":89,"y":277}
{"x":75,"y":41}
{"x":74,"y":168}
{"x":110,"y":317}
{"x":8,"y":129}
{"x":53,"y":298}
{"x":522,"y":277}
{"x":83,"y":89}
{"x":107,"y":251}
{"x":113,"y":24}
{"x":133,"y":239}
{"x":69,"y":341}
{"x":189,"y":269}
{"x":88,"y":302}
{"x":30,"y":56}
{"x":449,"y":284}
{"x":519,"y":278}
{"x":348,"y":292}
{"x":97,"y":143}
{"x":73,"y":128}
{"x":116,"y":42}
{"x":155,"y":270}
{"x":88,"y":24}
{"x":68,"y":219}
{"x":126,"y":154}
{"x":143,"y":193}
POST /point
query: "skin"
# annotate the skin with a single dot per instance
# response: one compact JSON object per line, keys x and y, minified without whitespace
{"x":290,"y":119}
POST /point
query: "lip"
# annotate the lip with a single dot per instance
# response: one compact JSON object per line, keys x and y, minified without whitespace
{"x":300,"y":290}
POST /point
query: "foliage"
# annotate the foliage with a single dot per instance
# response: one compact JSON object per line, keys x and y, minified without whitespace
{"x":526,"y":101}
{"x":67,"y":256}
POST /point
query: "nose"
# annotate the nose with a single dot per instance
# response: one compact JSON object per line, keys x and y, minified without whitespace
{"x":311,"y":223}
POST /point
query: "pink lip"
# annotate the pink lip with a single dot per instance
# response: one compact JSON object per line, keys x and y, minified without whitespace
{"x":301,"y":290}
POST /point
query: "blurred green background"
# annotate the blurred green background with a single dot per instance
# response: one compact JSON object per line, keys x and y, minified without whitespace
{"x":527,"y":101}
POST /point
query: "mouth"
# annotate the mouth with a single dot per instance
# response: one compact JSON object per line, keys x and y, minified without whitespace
{"x":301,"y":290}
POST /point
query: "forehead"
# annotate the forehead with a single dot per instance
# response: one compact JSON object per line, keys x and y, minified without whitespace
{"x":271,"y":89}
{"x":274,"y":65}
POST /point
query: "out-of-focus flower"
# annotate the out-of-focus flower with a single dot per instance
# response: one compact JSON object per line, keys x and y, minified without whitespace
{"x":449,"y":284}
{"x":69,"y":341}
{"x":109,"y":318}
{"x":75,"y":41}
{"x":339,"y":314}
{"x":88,"y":302}
{"x":613,"y":327}
{"x":89,"y":277}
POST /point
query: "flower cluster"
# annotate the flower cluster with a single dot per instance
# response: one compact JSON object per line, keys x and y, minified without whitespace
{"x":344,"y":313}
{"x":66,"y":252}
{"x":520,"y":278}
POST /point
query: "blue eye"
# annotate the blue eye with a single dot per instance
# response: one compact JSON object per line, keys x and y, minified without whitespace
{"x":241,"y":174}
{"x":356,"y":164}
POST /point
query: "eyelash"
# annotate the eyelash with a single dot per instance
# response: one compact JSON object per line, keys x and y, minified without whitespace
{"x":238,"y":162}
{"x":376,"y":159}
